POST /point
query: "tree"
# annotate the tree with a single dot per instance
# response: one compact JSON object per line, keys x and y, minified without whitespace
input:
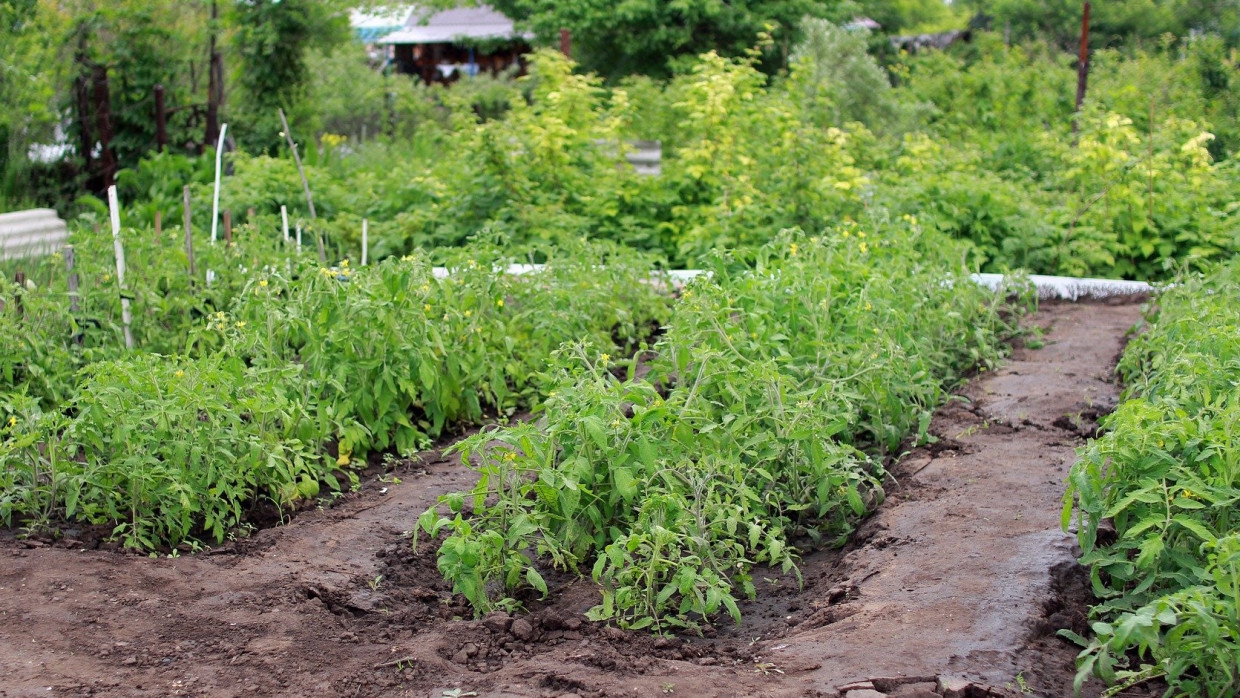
{"x":615,"y":38}
{"x":27,"y":85}
{"x":271,"y":41}
{"x":1113,"y":23}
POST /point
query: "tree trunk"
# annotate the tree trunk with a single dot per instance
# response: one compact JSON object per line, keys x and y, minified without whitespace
{"x":103,"y":114}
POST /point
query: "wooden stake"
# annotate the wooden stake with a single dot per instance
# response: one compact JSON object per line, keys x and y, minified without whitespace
{"x":159,"y":224}
{"x":299,"y":238}
{"x":284,"y":222}
{"x":365,"y":241}
{"x":20,"y":279}
{"x":305,"y":183}
{"x":119,"y":248}
{"x":250,"y":215}
{"x":318,"y":238}
{"x":72,"y":279}
{"x":189,"y":238}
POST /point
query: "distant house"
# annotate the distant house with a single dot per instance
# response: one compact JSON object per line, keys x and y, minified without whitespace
{"x":447,"y":45}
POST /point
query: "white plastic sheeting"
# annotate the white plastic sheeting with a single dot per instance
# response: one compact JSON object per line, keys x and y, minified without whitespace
{"x":1062,"y":287}
{"x":30,"y":233}
{"x":1071,"y":288}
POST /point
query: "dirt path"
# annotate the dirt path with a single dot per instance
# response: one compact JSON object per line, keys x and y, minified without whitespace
{"x":962,"y":573}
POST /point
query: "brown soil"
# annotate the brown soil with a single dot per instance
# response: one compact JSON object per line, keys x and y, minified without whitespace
{"x":954,"y":588}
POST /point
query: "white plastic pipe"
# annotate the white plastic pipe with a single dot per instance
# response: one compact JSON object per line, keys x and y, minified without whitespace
{"x":219,"y":161}
{"x":114,"y":208}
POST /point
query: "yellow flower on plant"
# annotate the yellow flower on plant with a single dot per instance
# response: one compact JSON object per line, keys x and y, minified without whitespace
{"x":604,"y":358}
{"x":864,"y":249}
{"x":12,"y":421}
{"x":263,"y":283}
{"x":468,"y":313}
{"x":427,"y":307}
{"x":499,"y":303}
{"x":792,"y":249}
{"x":240,"y":324}
{"x":868,"y":306}
{"x":179,"y":373}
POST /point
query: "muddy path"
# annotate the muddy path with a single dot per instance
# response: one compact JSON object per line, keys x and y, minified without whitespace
{"x":955,"y":587}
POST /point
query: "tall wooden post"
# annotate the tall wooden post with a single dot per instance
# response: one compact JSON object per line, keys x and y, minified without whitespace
{"x":103,"y":114}
{"x":215,"y":80}
{"x":1082,"y":66}
{"x":566,"y":43}
{"x":161,"y":120}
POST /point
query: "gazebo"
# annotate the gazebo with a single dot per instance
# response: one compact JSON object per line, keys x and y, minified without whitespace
{"x":447,"y":45}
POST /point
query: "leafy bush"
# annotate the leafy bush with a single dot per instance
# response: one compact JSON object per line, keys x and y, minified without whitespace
{"x":1165,"y":476}
{"x":166,"y":449}
{"x":743,"y":442}
{"x":173,"y":449}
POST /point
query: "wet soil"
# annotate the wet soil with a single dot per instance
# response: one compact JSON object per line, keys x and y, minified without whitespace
{"x":955,"y":587}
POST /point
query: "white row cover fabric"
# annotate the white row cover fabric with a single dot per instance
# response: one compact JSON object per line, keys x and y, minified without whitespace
{"x":1062,"y":287}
